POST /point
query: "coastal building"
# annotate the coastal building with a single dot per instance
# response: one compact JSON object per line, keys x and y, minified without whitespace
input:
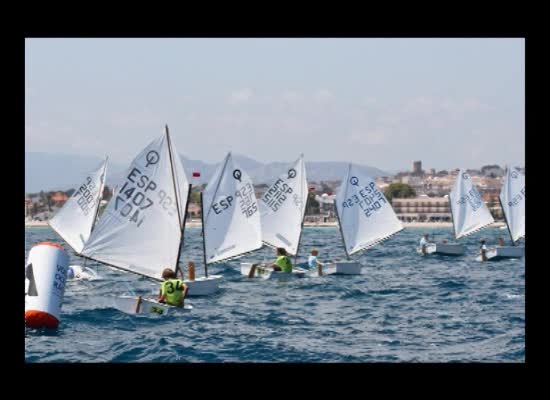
{"x":59,"y":198}
{"x":417,"y":168}
{"x":422,"y":209}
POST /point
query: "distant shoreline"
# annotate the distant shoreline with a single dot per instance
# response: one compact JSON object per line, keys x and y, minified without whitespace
{"x":195,"y":224}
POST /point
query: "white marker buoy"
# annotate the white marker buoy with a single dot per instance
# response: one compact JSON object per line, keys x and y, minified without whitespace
{"x":46,"y":271}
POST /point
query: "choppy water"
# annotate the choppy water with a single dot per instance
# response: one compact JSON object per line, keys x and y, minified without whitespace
{"x":404,"y":308}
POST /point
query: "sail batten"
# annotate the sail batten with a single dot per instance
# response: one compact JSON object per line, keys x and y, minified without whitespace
{"x":231,"y":215}
{"x":141,"y":227}
{"x":75,"y":220}
{"x":470,"y":213}
{"x":282,"y":208}
{"x":365,"y":216}
{"x":512,"y":201}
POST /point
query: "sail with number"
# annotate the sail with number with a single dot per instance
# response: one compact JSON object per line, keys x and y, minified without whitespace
{"x":366,"y":217}
{"x":231,"y":218}
{"x":512,"y":201}
{"x":142,"y":226}
{"x":282,"y":208}
{"x":469,"y":212}
{"x":75,"y":220}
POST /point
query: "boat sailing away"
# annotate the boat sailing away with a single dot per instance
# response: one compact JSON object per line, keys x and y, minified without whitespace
{"x":141,"y":229}
{"x":469,"y":214}
{"x":282,"y":211}
{"x":75,"y":221}
{"x":365,"y":218}
{"x":512,"y":202}
{"x":230,"y":215}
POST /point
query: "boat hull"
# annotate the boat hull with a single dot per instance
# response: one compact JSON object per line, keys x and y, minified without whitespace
{"x":342,"y":268}
{"x":268,"y":274}
{"x":445,"y":249}
{"x":504,"y":252}
{"x":204,"y":286}
{"x":84,"y":273}
{"x":127,"y":304}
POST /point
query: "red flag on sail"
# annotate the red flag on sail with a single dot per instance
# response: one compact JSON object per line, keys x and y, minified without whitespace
{"x":196,"y":174}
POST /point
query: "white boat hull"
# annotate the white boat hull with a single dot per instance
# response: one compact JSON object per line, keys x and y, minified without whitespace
{"x":500,"y":253}
{"x":127,"y":304}
{"x":265,"y":273}
{"x":84,"y":273}
{"x":445,"y":249}
{"x":204,"y":286}
{"x":341,"y":268}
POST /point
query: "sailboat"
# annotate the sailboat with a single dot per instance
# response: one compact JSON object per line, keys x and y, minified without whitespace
{"x":230,"y":215}
{"x":141,"y":229}
{"x":365,"y":218}
{"x":512,"y":202}
{"x":469,"y":214}
{"x":75,"y":221}
{"x":282,"y":212}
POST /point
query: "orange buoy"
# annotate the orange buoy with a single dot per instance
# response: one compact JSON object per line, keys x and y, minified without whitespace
{"x":46,"y":273}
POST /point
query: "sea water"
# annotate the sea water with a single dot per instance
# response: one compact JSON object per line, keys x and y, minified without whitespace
{"x":403,"y":308}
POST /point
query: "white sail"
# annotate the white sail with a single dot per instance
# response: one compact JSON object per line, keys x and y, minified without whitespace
{"x":181,"y":181}
{"x":282,"y":208}
{"x":75,"y":220}
{"x":231,"y":215}
{"x":139,"y":230}
{"x":512,"y":200}
{"x":469,"y":212}
{"x":366,"y":216}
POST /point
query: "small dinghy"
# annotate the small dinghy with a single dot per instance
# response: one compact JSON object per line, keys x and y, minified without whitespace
{"x":138,"y":305}
{"x":230,"y":218}
{"x":141,"y":230}
{"x":448,"y":249}
{"x":282,"y":211}
{"x":75,"y":221}
{"x":340,"y":268}
{"x":267,"y":273}
{"x":501,"y":253}
{"x":469,"y":214}
{"x":512,"y":201}
{"x":365,"y":218}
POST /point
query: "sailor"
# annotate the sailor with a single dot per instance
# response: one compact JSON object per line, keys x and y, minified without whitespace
{"x":282,"y":263}
{"x":501,"y":242}
{"x":423,"y":243}
{"x":483,"y":250}
{"x":70,"y":272}
{"x":172,"y":291}
{"x":314,"y":263}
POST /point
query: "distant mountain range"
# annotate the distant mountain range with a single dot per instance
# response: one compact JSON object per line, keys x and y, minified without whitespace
{"x":51,"y":171}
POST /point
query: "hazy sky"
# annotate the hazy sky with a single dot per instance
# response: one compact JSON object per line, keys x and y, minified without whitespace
{"x":380,"y":102}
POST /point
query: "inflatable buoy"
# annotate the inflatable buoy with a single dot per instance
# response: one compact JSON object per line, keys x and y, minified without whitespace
{"x":46,"y":271}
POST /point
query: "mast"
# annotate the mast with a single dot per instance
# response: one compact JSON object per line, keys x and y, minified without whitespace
{"x":100,"y":195}
{"x":340,"y":227}
{"x":338,"y":215}
{"x":503,"y":213}
{"x":203,"y":239}
{"x":176,"y":196}
{"x":452,"y":216}
{"x":305,"y":210}
{"x":183,"y":230}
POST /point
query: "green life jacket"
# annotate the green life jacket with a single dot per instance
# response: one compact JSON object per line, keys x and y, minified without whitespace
{"x":285,"y":263}
{"x":171,"y":290}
